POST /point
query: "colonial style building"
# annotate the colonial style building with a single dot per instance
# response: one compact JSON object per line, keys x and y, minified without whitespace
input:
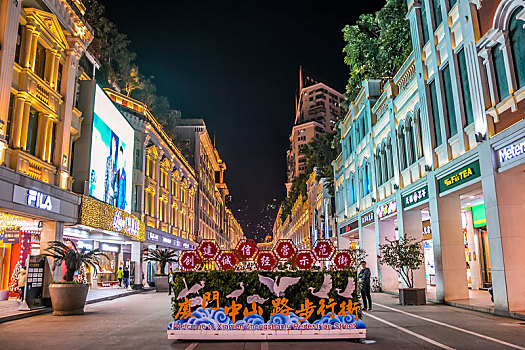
{"x":436,"y":154}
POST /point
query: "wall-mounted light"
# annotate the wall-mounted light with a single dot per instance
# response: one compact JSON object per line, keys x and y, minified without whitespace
{"x":374,"y":200}
{"x":396,"y":187}
{"x":479,"y":137}
{"x":428,"y":167}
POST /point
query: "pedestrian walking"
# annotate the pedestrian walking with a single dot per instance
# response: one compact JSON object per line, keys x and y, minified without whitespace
{"x":126,"y":277}
{"x":364,"y":279}
{"x":170,"y":280}
{"x":120,"y":273}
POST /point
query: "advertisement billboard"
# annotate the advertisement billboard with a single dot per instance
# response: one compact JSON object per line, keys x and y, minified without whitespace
{"x":111,"y":160}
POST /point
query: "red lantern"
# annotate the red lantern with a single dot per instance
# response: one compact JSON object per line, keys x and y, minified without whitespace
{"x":246,"y":249}
{"x":304,"y":260}
{"x":285,"y":249}
{"x":208,"y":249}
{"x":226,"y":260}
{"x":342,"y":259}
{"x":266,"y":260}
{"x":189,"y":260}
{"x":323,"y":249}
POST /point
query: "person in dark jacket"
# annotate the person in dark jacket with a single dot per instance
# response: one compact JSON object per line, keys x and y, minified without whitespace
{"x":364,"y":279}
{"x":126,"y":277}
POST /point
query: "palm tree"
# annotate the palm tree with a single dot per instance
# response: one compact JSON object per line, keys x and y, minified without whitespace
{"x":72,"y":257}
{"x":162,"y":256}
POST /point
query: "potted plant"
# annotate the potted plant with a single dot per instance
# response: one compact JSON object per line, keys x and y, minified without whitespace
{"x":162,"y":257}
{"x":68,"y":297}
{"x":405,"y":256}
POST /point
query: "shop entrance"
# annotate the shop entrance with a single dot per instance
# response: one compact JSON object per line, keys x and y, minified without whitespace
{"x":486,"y":274}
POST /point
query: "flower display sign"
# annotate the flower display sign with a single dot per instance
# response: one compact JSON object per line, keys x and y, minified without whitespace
{"x":226,"y":260}
{"x":208,"y":249}
{"x":304,"y":260}
{"x":246,"y":249}
{"x":285,"y":249}
{"x":323,"y":249}
{"x":189,"y":260}
{"x":265,"y":260}
{"x":342,"y":259}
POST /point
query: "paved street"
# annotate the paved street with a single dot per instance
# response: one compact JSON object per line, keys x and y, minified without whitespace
{"x":139,"y":322}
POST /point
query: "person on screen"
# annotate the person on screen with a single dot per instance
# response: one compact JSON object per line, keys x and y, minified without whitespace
{"x":121,"y":195}
{"x":109,"y":178}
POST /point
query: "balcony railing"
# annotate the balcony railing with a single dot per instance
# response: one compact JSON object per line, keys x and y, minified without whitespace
{"x":29,"y":165}
{"x":38,"y":88}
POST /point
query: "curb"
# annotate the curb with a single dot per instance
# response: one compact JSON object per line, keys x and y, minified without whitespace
{"x":47,"y":310}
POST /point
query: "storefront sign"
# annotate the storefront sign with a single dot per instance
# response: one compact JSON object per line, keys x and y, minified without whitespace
{"x":460,"y":177}
{"x":479,"y":217}
{"x":167,"y":240}
{"x":10,"y":236}
{"x":415,"y":197}
{"x":512,"y":151}
{"x":103,"y":216}
{"x":153,"y":236}
{"x":36,"y":199}
{"x":108,"y":247}
{"x":87,"y":245}
{"x":367,"y":218}
{"x":427,"y":230}
{"x":386,"y":209}
{"x":349,"y":227}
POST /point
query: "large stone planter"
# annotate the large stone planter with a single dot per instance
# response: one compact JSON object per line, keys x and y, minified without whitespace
{"x":412,"y":296}
{"x":161,"y":283}
{"x":68,"y":299}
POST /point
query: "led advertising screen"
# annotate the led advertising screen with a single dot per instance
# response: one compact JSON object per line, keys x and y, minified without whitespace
{"x":110,"y":170}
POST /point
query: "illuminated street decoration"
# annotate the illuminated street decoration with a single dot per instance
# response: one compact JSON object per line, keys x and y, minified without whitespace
{"x":208,"y":249}
{"x":342,"y":259}
{"x":266,"y":260}
{"x":285,"y":250}
{"x":189,"y":260}
{"x":323,"y":249}
{"x":226,"y":260}
{"x":304,"y":260}
{"x":246,"y":249}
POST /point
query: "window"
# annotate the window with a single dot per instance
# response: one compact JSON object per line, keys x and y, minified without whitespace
{"x":379,"y":177}
{"x":53,"y":141}
{"x":438,"y":17}
{"x":401,"y":147}
{"x":18,"y":43}
{"x":136,"y":193}
{"x":435,"y":113}
{"x":137,"y":159}
{"x":366,"y":178}
{"x":351,"y":189}
{"x":59,"y":77}
{"x":40,"y":61}
{"x":409,"y":139}
{"x":452,"y":3}
{"x":32,"y":132}
{"x":424,"y":22}
{"x":465,"y":87}
{"x":517,"y":43}
{"x":418,"y":135}
{"x":12,"y":99}
{"x":500,"y":72}
{"x":449,"y":102}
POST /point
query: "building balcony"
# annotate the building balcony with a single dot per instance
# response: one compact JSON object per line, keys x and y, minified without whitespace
{"x":38,"y":88}
{"x":30,"y":165}
{"x":76,"y":120}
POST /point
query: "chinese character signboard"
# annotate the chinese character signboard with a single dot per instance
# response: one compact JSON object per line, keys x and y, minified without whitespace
{"x":342,"y":259}
{"x":266,"y":260}
{"x":323,"y":249}
{"x":189,"y":260}
{"x":285,"y":249}
{"x":208,"y":249}
{"x":246,"y":249}
{"x":415,"y":197}
{"x":226,"y":260}
{"x":304,"y":260}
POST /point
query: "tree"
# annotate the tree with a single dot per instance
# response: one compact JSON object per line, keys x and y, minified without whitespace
{"x":72,"y":257}
{"x":404,"y":255}
{"x":162,"y":256}
{"x":377,"y":45}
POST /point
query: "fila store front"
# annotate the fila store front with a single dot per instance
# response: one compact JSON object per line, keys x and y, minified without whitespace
{"x":31,"y":212}
{"x":117,"y":234}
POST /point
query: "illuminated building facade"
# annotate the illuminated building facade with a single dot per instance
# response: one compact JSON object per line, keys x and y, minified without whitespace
{"x":436,"y":154}
{"x":41,"y":49}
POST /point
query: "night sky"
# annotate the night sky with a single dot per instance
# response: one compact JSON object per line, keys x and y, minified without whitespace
{"x":235,"y":64}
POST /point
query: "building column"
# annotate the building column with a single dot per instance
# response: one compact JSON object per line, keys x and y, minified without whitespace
{"x":49,"y":140}
{"x":32,"y":52}
{"x":449,"y":248}
{"x":388,"y":276}
{"x":51,"y":231}
{"x":18,"y":116}
{"x":368,"y":242}
{"x":25,"y":124}
{"x":410,"y":225}
{"x":136,"y":257}
{"x":9,"y":19}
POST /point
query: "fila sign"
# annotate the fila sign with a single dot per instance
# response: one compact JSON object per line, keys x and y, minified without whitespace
{"x":35,"y":199}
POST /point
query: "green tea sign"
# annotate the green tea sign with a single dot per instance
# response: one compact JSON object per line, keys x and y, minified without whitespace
{"x":459,"y":177}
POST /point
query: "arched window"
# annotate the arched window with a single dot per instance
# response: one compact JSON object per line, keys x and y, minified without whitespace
{"x":401,"y":147}
{"x":418,"y":136}
{"x":379,"y":176}
{"x":517,"y":43}
{"x":390,"y":158}
{"x":384,"y":170}
{"x":365,"y":177}
{"x":350,"y":189}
